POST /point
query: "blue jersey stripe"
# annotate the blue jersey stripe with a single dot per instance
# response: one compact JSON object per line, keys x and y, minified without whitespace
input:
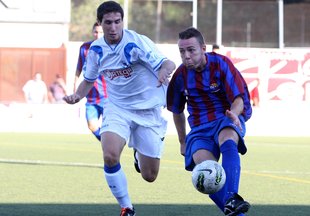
{"x":208,"y":93}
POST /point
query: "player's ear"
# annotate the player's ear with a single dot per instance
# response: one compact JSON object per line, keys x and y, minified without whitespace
{"x":204,"y":47}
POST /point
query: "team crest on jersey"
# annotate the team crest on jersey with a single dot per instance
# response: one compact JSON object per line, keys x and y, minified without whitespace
{"x":125,"y":72}
{"x":214,"y":87}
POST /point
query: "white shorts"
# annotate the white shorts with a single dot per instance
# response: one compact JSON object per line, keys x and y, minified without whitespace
{"x":145,"y":129}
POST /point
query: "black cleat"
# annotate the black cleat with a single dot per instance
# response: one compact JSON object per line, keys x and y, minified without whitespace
{"x":128,"y":212}
{"x":136,"y":164}
{"x":236,"y":205}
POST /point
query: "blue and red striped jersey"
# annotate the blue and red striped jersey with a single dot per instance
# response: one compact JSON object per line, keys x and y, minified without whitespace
{"x":207,"y":94}
{"x":99,"y":91}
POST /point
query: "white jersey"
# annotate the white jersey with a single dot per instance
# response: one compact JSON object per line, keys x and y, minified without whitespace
{"x":130,"y":69}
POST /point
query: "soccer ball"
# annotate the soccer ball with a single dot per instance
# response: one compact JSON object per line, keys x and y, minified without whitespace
{"x":208,"y":177}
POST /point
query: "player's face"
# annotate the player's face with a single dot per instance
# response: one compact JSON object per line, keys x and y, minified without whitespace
{"x":97,"y":32}
{"x":112,"y":25}
{"x":192,"y":53}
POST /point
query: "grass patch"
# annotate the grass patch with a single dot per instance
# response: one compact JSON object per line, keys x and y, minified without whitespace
{"x":61,"y":174}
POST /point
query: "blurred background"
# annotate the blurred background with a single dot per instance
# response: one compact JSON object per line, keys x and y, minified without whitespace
{"x":268,"y":41}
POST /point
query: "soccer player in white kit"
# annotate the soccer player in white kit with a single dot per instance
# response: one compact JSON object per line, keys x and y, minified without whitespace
{"x":136,"y":74}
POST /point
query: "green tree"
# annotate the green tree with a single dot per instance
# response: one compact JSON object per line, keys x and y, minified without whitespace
{"x":83,"y":16}
{"x":174,"y":16}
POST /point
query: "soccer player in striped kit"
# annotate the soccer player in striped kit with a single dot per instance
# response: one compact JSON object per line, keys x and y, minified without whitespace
{"x":136,"y":74}
{"x":97,"y":94}
{"x":218,"y":104}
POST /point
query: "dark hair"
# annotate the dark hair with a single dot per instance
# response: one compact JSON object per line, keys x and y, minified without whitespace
{"x":95,"y":25}
{"x":215,"y":46}
{"x":192,"y":32}
{"x":108,"y":7}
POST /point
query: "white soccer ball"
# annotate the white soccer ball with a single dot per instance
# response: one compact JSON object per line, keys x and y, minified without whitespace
{"x":208,"y":177}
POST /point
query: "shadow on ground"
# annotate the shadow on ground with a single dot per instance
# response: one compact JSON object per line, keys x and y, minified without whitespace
{"x":142,"y":210}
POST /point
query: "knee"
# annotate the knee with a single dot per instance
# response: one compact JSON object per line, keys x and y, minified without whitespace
{"x":110,"y":159}
{"x":149,"y":175}
{"x":227,"y":134}
{"x":92,"y":128}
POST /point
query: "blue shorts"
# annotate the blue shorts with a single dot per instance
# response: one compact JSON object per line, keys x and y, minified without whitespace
{"x":93,"y":111}
{"x":206,"y":137}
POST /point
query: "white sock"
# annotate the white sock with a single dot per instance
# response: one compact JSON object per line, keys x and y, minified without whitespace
{"x":118,"y":186}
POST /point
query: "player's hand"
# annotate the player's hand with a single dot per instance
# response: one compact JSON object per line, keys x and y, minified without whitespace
{"x":182,"y":149}
{"x":72,"y":99}
{"x":234,"y":118}
{"x":163,"y":77}
{"x":165,"y":72}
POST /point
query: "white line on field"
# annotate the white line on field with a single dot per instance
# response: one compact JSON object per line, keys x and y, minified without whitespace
{"x":54,"y":163}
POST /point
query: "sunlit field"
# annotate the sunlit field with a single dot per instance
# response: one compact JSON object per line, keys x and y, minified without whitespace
{"x":61,"y":174}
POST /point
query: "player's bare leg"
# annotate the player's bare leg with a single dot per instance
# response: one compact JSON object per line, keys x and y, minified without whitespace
{"x":149,"y":167}
{"x":93,"y":126}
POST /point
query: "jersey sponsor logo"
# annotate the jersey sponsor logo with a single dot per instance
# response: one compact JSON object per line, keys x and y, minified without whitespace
{"x":125,"y":72}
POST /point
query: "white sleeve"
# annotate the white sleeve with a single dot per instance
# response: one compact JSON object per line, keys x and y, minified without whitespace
{"x":153,"y":55}
{"x":144,"y":49}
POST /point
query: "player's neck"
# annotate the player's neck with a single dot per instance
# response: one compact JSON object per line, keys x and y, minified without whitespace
{"x":202,"y":65}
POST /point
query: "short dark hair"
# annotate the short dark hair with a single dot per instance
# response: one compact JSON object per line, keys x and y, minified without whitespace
{"x":108,"y":7}
{"x":192,"y":32}
{"x":215,"y":46}
{"x":95,"y":25}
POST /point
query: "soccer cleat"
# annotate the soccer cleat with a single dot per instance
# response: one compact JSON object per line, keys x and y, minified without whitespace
{"x":136,"y":161}
{"x":236,"y":205}
{"x":128,"y":212}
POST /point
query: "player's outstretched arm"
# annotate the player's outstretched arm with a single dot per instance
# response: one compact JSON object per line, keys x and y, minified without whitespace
{"x":81,"y":92}
{"x":235,"y":110}
{"x":76,"y":79}
{"x":165,"y":72}
{"x":180,"y":125}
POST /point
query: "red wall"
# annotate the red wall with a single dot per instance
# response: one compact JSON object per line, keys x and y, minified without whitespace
{"x":18,"y":65}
